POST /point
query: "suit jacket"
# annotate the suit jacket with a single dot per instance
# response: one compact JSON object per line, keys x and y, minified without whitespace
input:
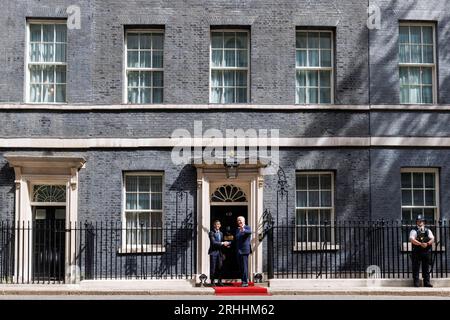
{"x":243,"y":240}
{"x":215,"y":248}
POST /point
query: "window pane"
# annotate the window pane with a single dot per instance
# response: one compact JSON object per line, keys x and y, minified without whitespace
{"x":145,"y":59}
{"x":48,"y":32}
{"x":325,"y":40}
{"x":242,"y":58}
{"x":325,"y":199}
{"x":133,"y":95}
{"x":325,"y":95}
{"x":312,"y":78}
{"x":429,"y":180}
{"x":228,"y":78}
{"x":301,"y":199}
{"x":325,"y":78}
{"x":216,"y":58}
{"x":145,"y":41}
{"x":228,"y":95}
{"x":133,"y":78}
{"x":301,"y":95}
{"x":325,"y":58}
{"x":158,"y":80}
{"x":133,"y":59}
{"x":404,"y":34}
{"x":35,"y":32}
{"x":313,"y":56}
{"x":230,"y":58}
{"x":301,"y":78}
{"x":61,"y":33}
{"x":301,"y":217}
{"x":301,"y":40}
{"x":418,"y":180}
{"x":145,"y":78}
{"x":415,"y":33}
{"x":325,"y":181}
{"x":403,"y":75}
{"x":418,"y":198}
{"x":60,"y":54}
{"x":325,"y":216}
{"x":217,"y":40}
{"x":427,"y":33}
{"x":60,"y":93}
{"x":48,"y":52}
{"x":403,"y":53}
{"x":229,"y":40}
{"x":156,"y":201}
{"x":157,"y":95}
{"x":144,"y":184}
{"x":313,"y":217}
{"x":60,"y":74}
{"x":404,"y":95}
{"x":144,"y":201}
{"x":145,"y":95}
{"x":313,"y":40}
{"x":35,"y":52}
{"x":416,"y":212}
{"x":313,"y":97}
{"x":48,"y":74}
{"x":406,"y":180}
{"x":416,"y":54}
{"x":48,"y":93}
{"x":35,"y":74}
{"x":156,"y":220}
{"x":414,"y":95}
{"x":429,"y":215}
{"x":216,"y":95}
{"x":241,"y":78}
{"x":241,"y":40}
{"x":406,"y":198}
{"x":158,"y":41}
{"x":301,"y":60}
{"x":414,"y":75}
{"x":133,"y":41}
{"x":131,"y":183}
{"x":216,"y":78}
{"x":430,"y":198}
{"x":157,"y":59}
{"x":241,"y":95}
{"x":428,"y":54}
{"x":313,"y":198}
{"x":427,"y":94}
{"x":406,"y":215}
{"x":131,"y":202}
{"x":426,"y":76}
{"x":156,"y":184}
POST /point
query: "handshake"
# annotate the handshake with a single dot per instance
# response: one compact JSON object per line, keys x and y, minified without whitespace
{"x":226,"y":243}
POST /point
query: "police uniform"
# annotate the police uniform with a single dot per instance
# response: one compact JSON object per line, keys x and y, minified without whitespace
{"x":421,"y":255}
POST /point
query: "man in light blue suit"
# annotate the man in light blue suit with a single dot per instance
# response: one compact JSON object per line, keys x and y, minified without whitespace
{"x":243,"y":248}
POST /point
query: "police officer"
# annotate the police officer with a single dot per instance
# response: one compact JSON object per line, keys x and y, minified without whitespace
{"x":421,"y":239}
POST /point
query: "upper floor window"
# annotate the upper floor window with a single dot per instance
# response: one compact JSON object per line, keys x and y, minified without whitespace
{"x":314,"y":206}
{"x":314,"y":67}
{"x":46,"y":62}
{"x":143,"y":209}
{"x":229,"y":66}
{"x":144,"y":66}
{"x":417,"y":65}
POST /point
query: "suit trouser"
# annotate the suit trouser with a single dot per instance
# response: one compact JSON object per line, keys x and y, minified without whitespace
{"x":423,"y":258}
{"x":243,"y":266}
{"x":215,"y":266}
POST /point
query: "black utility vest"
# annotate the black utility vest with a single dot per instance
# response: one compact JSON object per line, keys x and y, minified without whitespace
{"x":422,"y":236}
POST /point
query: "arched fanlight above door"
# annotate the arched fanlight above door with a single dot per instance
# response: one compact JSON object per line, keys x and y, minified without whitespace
{"x":228,"y":193}
{"x":49,"y":193}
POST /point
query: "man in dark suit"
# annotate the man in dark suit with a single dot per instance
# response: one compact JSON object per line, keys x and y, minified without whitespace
{"x":243,"y":249}
{"x":215,"y":253}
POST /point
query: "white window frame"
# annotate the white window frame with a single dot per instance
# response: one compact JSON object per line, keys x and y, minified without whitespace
{"x":126,"y":68}
{"x":331,"y":69}
{"x":316,"y":245}
{"x":28,"y":63}
{"x":407,"y":246}
{"x":432,"y":65}
{"x":248,"y":68}
{"x":138,"y":248}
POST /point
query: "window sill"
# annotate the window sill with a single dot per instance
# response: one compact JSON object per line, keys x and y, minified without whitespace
{"x":315,"y":246}
{"x":143,"y":249}
{"x":407,"y":247}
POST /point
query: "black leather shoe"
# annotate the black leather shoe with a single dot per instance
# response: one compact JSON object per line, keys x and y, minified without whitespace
{"x":428,"y":285}
{"x":244,"y":284}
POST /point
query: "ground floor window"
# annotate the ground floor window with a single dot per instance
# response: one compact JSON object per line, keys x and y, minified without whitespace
{"x":143,"y":214}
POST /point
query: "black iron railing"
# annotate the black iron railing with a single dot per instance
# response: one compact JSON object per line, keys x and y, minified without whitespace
{"x":56,"y":252}
{"x":351,"y":249}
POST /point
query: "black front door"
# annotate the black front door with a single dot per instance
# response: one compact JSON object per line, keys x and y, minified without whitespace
{"x":49,"y":243}
{"x":227,"y":216}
